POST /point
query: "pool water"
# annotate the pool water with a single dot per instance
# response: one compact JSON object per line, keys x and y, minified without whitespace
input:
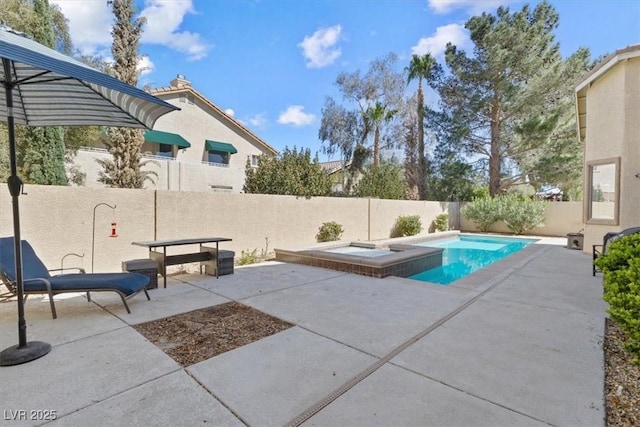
{"x":358,"y":251}
{"x":465,"y":254}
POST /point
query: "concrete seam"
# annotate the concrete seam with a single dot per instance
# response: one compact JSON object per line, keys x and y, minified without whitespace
{"x":245,"y":422}
{"x":314,"y":409}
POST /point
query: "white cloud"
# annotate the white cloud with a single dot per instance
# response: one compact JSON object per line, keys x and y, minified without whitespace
{"x":163,"y":21}
{"x":473,"y":6}
{"x":258,"y":120}
{"x":230,"y":112}
{"x":145,"y":65}
{"x":90,"y":26}
{"x":320,"y":48}
{"x":294,"y":115}
{"x":437,"y":43}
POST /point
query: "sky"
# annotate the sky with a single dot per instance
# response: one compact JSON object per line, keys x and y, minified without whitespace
{"x":272,"y":63}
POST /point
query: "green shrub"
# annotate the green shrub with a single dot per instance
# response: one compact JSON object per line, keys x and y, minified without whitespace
{"x":442,"y":222}
{"x":329,"y":232}
{"x":483,"y":211}
{"x":248,"y":257}
{"x":521,"y":213}
{"x":407,"y":225}
{"x":621,"y":269}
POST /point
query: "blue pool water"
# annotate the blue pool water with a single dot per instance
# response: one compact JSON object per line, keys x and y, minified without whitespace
{"x":465,"y":254}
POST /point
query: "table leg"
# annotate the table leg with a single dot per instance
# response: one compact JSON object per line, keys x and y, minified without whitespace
{"x":164,"y":265}
{"x":217,"y":260}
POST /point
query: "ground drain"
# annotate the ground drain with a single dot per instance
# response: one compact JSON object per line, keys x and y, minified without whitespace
{"x":297,"y":421}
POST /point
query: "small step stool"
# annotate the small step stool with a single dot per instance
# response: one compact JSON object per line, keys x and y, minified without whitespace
{"x":225,"y":262}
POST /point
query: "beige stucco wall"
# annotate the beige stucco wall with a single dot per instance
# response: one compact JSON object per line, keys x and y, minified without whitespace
{"x":175,"y":175}
{"x":196,"y":123}
{"x":561,"y":218}
{"x":613,"y":130}
{"x":58,"y":220}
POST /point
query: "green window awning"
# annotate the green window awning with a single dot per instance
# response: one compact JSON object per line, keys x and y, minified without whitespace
{"x":168,"y":138}
{"x":220,"y":146}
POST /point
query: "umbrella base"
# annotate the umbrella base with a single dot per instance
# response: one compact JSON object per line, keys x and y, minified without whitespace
{"x":16,"y":355}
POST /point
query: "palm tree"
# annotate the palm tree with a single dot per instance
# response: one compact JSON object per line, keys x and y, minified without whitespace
{"x":376,"y":115}
{"x":421,"y":67}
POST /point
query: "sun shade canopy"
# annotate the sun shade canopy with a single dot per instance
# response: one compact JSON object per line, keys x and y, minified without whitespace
{"x":45,"y":94}
{"x":220,"y":146}
{"x":166,"y":138}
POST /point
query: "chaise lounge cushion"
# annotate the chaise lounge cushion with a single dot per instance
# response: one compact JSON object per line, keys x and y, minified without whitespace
{"x":127,"y":283}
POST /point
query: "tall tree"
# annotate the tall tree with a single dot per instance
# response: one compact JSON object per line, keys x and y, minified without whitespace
{"x":376,"y":116}
{"x":421,"y":68}
{"x":292,"y":172}
{"x":41,"y":151}
{"x":411,"y":166}
{"x":124,"y":144}
{"x":383,"y":182}
{"x":488,"y":98}
{"x":345,"y":126}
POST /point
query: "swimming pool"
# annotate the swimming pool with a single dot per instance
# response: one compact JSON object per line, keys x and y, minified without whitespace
{"x":465,"y":254}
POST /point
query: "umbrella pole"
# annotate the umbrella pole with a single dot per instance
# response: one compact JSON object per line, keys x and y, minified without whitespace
{"x":24,"y":351}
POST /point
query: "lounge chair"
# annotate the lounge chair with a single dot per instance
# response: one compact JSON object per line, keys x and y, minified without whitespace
{"x":608,"y":239}
{"x":38,"y":280}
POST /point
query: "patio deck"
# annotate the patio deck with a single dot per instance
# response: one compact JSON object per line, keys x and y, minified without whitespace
{"x":517,"y":343}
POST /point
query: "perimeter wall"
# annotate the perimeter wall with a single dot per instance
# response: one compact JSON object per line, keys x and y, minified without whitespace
{"x":59,"y":220}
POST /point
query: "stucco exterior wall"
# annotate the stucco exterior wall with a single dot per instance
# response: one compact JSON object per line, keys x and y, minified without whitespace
{"x":613,"y":131}
{"x":172,"y":175}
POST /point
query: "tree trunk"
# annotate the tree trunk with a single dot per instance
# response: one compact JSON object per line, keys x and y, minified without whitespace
{"x":376,"y":147}
{"x":495,"y":158}
{"x":421,"y":157}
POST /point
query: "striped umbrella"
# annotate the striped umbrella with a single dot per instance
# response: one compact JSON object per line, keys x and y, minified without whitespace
{"x":43,"y":87}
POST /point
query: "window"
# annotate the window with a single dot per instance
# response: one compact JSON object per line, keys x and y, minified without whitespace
{"x":218,"y":157}
{"x":603,"y":191}
{"x":255,"y":160}
{"x":165,"y":150}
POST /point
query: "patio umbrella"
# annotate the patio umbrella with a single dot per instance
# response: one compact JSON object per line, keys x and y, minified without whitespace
{"x":43,"y":87}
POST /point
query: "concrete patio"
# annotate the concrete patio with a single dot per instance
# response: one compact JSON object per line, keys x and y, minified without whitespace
{"x":516,"y":344}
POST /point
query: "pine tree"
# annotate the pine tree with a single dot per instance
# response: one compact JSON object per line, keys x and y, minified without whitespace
{"x":503,"y":102}
{"x":124,"y":144}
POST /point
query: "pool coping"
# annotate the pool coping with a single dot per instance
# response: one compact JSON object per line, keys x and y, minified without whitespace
{"x":403,"y":261}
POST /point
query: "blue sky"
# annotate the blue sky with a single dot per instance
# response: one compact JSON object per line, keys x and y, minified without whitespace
{"x":271,"y":63}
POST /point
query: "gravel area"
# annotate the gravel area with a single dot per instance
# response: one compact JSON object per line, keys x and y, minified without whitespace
{"x":201,"y":334}
{"x":622,"y":380}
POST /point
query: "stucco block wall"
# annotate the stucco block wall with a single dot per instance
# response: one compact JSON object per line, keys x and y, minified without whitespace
{"x":561,"y":218}
{"x":58,"y":220}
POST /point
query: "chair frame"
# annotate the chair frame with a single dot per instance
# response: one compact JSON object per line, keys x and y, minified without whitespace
{"x":12,"y":287}
{"x":605,"y":241}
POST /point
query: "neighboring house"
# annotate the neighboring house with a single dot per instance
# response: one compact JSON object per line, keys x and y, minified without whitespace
{"x":199,"y":148}
{"x":340,"y":175}
{"x":608,"y":107}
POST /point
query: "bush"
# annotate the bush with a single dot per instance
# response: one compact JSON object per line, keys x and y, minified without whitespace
{"x":621,"y":269}
{"x":521,"y":213}
{"x":329,"y":232}
{"x":248,"y":257}
{"x":442,"y":222}
{"x":407,"y":225}
{"x":483,"y":211}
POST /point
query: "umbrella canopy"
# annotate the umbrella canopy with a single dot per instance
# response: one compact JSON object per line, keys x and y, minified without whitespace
{"x":55,"y":89}
{"x":43,"y":87}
